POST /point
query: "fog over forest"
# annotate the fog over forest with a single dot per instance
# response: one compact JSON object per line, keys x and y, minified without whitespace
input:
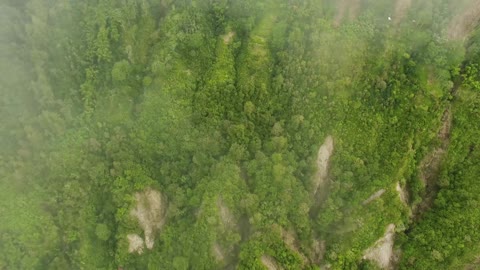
{"x":240,"y":134}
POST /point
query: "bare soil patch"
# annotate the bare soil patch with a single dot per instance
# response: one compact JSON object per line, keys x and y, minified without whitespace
{"x":270,"y":263}
{"x":227,"y":39}
{"x":374,"y":196}
{"x":342,"y":7}
{"x":135,"y":243}
{"x":318,"y":251}
{"x":444,"y":133}
{"x":353,"y":9}
{"x":402,"y":194}
{"x":226,"y":216}
{"x":290,"y":239}
{"x":150,"y":213}
{"x":323,"y":158}
{"x":346,"y":7}
{"x":429,"y":171}
{"x":474,"y":265}
{"x":431,"y":164}
{"x":401,"y":9}
{"x":382,"y":251}
{"x":464,"y":23}
{"x":218,"y":252}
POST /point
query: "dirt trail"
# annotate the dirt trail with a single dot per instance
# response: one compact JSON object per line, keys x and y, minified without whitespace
{"x":226,"y":216}
{"x":290,"y":240}
{"x":444,"y":133}
{"x":318,"y":251}
{"x":222,"y":253}
{"x":150,"y":213}
{"x":430,"y":166}
{"x":227,"y":39}
{"x":401,"y":9}
{"x":270,"y":263}
{"x":354,"y":9}
{"x":402,"y":194}
{"x":342,"y":7}
{"x":135,"y":243}
{"x":319,"y":181}
{"x":346,"y":7}
{"x":374,"y":196}
{"x":218,"y":252}
{"x":474,"y":265}
{"x":323,"y":158}
{"x":382,"y":251}
{"x":464,"y":23}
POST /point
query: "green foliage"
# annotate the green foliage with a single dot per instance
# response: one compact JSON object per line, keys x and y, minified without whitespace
{"x":120,"y":71}
{"x":222,"y":105}
{"x":102,"y":232}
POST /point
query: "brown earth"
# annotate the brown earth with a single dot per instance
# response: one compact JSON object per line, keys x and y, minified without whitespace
{"x":226,"y":216}
{"x":464,"y":23}
{"x":323,"y":158}
{"x":346,"y":7}
{"x":218,"y":252}
{"x":135,"y":243}
{"x":150,"y":213}
{"x":290,"y":240}
{"x":431,"y":164}
{"x":270,"y":263}
{"x":402,"y":194}
{"x":228,"y":37}
{"x":401,"y":9}
{"x":382,"y":251}
{"x":475,"y":265}
{"x":374,"y":196}
{"x":318,"y":251}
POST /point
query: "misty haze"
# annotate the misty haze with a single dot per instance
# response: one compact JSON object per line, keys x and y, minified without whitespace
{"x":240,"y":134}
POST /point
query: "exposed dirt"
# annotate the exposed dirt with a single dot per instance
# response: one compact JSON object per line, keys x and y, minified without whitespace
{"x":402,"y":194}
{"x":430,"y":166}
{"x":353,"y":9}
{"x":429,"y":172}
{"x":382,"y":251}
{"x":346,"y":7}
{"x":318,"y":251}
{"x":401,"y":9}
{"x":464,"y":23}
{"x":324,"y":154}
{"x":444,"y":133}
{"x":474,"y":265}
{"x":374,"y":196}
{"x":150,"y":213}
{"x":342,"y":7}
{"x":226,"y":216}
{"x":135,"y":243}
{"x":270,"y":263}
{"x":227,"y":39}
{"x":319,"y":181}
{"x":290,"y":240}
{"x":218,"y":252}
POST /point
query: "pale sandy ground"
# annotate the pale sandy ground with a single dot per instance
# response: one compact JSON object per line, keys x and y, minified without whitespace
{"x":270,"y":263}
{"x":150,"y":213}
{"x":382,"y":251}
{"x":402,"y":194}
{"x":464,"y":23}
{"x":401,"y":9}
{"x":324,"y":154}
{"x":348,"y":8}
{"x":374,"y":196}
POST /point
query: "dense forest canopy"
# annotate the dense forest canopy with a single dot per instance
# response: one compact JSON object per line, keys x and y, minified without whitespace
{"x":227,"y":134}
